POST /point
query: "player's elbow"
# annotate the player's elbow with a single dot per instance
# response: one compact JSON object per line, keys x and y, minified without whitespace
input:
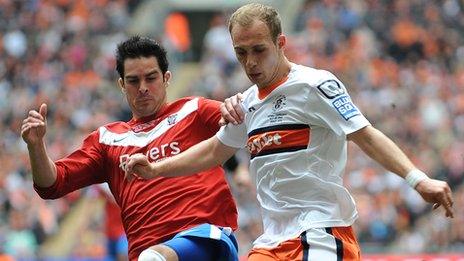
{"x":48,"y":196}
{"x":364,"y":137}
{"x":45,"y":193}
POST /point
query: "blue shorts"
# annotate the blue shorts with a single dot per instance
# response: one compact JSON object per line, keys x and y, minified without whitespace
{"x":117,"y":247}
{"x":205,"y":242}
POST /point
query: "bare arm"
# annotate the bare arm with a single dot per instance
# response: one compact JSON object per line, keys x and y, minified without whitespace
{"x":202,"y":156}
{"x":383,"y":150}
{"x":33,"y":130}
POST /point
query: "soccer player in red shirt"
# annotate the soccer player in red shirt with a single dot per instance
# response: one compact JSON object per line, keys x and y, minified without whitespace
{"x":185,"y":218}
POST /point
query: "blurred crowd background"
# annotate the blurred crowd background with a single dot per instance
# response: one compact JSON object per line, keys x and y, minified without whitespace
{"x":401,"y":60}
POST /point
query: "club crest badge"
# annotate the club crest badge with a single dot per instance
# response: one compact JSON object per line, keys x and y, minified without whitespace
{"x":172,"y":119}
{"x":279,"y":103}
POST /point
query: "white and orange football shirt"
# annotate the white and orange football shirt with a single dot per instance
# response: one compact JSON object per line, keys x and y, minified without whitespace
{"x":296,"y":135}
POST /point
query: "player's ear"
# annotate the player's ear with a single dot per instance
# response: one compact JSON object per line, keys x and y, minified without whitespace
{"x":281,"y":41}
{"x":167,"y":77}
{"x":121,"y":85}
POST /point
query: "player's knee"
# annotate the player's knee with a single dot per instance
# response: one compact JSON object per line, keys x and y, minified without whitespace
{"x":151,"y":255}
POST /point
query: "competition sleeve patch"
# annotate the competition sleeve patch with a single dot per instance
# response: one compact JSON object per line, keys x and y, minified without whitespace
{"x":278,"y":139}
{"x":331,"y":89}
{"x":345,"y":107}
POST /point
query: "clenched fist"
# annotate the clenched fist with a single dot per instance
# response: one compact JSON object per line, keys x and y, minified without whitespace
{"x":34,"y":127}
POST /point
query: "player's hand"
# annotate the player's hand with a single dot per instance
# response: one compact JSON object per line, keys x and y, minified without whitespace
{"x":437,"y":192}
{"x":34,"y":127}
{"x":231,"y":110}
{"x":137,"y":165}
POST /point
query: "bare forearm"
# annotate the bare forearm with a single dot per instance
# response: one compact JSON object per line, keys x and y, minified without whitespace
{"x":43,"y":168}
{"x":202,"y":156}
{"x":379,"y":147}
{"x":383,"y":150}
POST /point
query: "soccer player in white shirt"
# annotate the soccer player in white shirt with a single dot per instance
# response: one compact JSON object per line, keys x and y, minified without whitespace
{"x":296,"y":125}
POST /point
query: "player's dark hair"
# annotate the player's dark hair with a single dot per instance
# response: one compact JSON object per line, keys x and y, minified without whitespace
{"x":136,"y":47}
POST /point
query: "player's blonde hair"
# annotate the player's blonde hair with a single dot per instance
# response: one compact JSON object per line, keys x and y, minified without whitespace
{"x":247,"y":14}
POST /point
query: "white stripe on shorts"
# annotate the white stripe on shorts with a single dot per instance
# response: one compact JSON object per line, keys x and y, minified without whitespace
{"x":322,"y":245}
{"x":215,"y":232}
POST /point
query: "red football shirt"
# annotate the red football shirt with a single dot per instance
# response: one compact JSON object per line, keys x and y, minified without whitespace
{"x":152,"y":210}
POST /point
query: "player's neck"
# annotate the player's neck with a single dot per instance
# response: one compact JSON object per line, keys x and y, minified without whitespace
{"x":149,"y":116}
{"x":280,"y":76}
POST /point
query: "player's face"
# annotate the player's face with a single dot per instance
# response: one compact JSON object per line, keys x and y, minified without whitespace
{"x":259,"y":55}
{"x":144,"y":85}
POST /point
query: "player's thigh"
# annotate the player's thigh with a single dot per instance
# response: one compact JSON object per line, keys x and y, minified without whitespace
{"x":194,"y":248}
{"x":167,"y":252}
